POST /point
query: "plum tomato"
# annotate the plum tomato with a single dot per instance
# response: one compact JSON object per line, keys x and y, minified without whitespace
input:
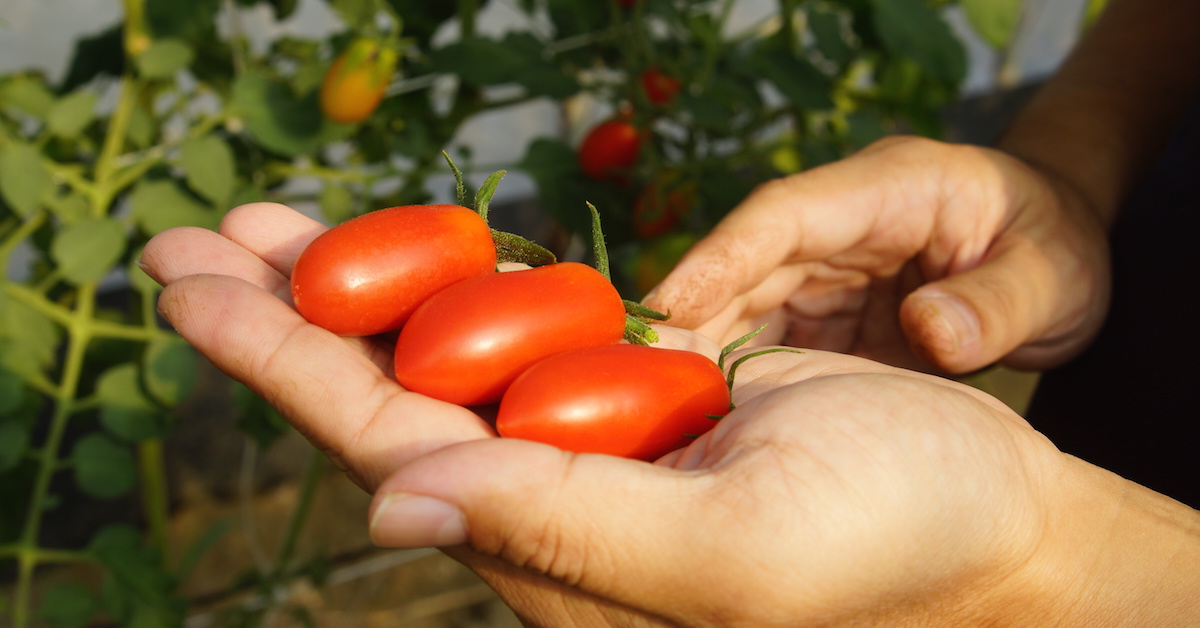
{"x":366,"y":276}
{"x":355,"y":83}
{"x":610,"y":149}
{"x":623,"y":400}
{"x":468,"y":342}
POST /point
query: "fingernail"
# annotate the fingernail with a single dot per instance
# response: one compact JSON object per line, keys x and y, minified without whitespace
{"x":404,"y":520}
{"x":959,"y":322}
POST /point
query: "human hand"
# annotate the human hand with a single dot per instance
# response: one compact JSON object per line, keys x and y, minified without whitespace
{"x":839,"y":491}
{"x":911,"y":252}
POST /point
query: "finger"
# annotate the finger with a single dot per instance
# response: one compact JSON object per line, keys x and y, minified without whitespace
{"x":579,"y":520}
{"x":327,"y":387}
{"x":815,"y":215}
{"x":184,"y":251}
{"x":275,"y":233}
{"x":1028,"y":292}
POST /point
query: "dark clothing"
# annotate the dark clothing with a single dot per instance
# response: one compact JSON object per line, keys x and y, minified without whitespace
{"x":1128,"y":403}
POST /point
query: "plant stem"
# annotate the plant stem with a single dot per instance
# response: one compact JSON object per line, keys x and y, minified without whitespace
{"x":155,"y":504}
{"x":28,"y":552}
{"x":312,"y":478}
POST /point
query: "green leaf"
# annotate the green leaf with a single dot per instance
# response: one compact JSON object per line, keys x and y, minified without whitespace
{"x":170,"y":370}
{"x":12,"y":388}
{"x":914,"y":29}
{"x":159,"y":204}
{"x":86,"y":250}
{"x":29,"y":339}
{"x":479,"y":61}
{"x":137,"y":590}
{"x":24,"y":180}
{"x":124,"y":410}
{"x":548,"y":81}
{"x":826,"y":27}
{"x":165,"y":58}
{"x":279,"y":120}
{"x":27,"y":93}
{"x":103,"y":468}
{"x":68,"y":605}
{"x":996,"y":21}
{"x":798,"y":80}
{"x":72,"y":114}
{"x":14,"y":440}
{"x":100,"y":54}
{"x":210,"y":168}
{"x":337,"y":203}
{"x":70,"y":208}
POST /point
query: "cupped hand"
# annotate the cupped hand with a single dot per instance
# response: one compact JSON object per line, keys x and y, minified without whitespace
{"x":838,"y":491}
{"x":912,"y":252}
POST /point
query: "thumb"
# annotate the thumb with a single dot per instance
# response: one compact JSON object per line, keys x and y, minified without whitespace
{"x":1018,"y":304}
{"x":580,"y":519}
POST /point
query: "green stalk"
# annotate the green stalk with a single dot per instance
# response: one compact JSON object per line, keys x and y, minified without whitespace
{"x":28,"y":552}
{"x":155,"y":506}
{"x":312,"y":478}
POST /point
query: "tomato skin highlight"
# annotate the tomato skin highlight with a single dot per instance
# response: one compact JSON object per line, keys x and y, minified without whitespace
{"x":610,"y":149}
{"x":467,"y":343}
{"x":367,"y":275}
{"x":623,"y":400}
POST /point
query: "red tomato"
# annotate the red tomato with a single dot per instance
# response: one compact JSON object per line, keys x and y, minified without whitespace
{"x":467,"y":343}
{"x":368,"y":274}
{"x":622,"y":400}
{"x":660,"y":88}
{"x":355,"y":82}
{"x":661,"y":203}
{"x":610,"y":149}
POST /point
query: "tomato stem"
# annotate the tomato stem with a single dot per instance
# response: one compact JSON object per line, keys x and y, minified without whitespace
{"x":643,"y":312}
{"x":736,"y":344}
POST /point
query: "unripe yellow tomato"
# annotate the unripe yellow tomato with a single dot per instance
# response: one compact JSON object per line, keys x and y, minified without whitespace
{"x":355,"y":82}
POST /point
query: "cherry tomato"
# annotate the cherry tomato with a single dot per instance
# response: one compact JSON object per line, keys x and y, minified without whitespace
{"x":661,"y":203}
{"x":660,"y":88}
{"x":355,"y":82}
{"x":610,"y":149}
{"x":366,"y":275}
{"x":623,"y":400}
{"x":467,"y":343}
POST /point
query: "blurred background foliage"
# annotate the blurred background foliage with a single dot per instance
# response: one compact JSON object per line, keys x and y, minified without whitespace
{"x":169,"y":114}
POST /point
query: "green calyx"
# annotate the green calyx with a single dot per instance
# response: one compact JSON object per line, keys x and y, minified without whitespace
{"x":510,"y":247}
{"x":637,"y":316}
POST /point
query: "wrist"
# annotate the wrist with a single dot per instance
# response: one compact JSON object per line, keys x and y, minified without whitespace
{"x":1112,"y":553}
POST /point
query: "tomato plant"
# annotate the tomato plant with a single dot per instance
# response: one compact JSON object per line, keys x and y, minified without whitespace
{"x":660,"y":87}
{"x":355,"y":82}
{"x":367,"y":275}
{"x":610,"y":149}
{"x":467,"y":343}
{"x":623,"y":400}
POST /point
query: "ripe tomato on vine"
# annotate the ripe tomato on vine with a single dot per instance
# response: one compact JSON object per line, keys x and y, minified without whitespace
{"x":610,"y":149}
{"x":660,"y":88}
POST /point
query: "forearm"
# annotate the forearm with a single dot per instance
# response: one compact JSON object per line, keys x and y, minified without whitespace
{"x":1113,"y":554}
{"x":1105,"y":115}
